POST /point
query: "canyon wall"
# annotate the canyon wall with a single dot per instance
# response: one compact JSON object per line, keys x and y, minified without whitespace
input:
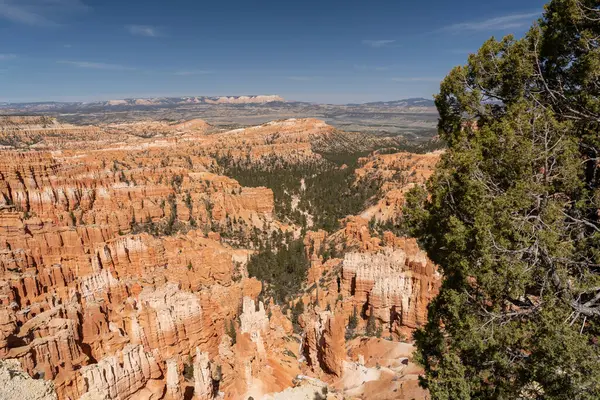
{"x":123,"y":252}
{"x":110,"y":276}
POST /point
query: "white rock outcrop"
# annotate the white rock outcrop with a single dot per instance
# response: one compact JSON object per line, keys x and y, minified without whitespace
{"x":16,"y":384}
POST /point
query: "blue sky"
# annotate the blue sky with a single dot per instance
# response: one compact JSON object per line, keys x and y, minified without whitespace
{"x":335,"y":51}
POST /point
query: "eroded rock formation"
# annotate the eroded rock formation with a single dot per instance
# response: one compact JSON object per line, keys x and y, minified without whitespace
{"x":123,"y":254}
{"x":203,"y":383}
{"x":400,"y":172}
{"x":397,"y":286}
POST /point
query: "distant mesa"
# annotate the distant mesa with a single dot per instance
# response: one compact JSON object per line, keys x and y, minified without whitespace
{"x":173,"y":102}
{"x":246,"y":100}
{"x":133,"y":103}
{"x":166,"y":101}
{"x":116,"y":102}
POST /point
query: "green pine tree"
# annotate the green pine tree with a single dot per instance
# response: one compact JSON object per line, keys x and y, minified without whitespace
{"x":371,"y":329}
{"x":297,"y":310}
{"x":513,"y":217}
{"x":232,"y":333}
{"x":353,"y":320}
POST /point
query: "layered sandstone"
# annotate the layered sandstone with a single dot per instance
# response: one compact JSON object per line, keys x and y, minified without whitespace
{"x":95,"y":294}
{"x":203,"y":383}
{"x":123,"y":252}
{"x":395,"y":285}
{"x":399,"y":173}
{"x":150,"y":129}
{"x":131,"y":371}
{"x":389,"y":275}
{"x":262,"y":360}
{"x":324,"y":343}
{"x":42,"y":132}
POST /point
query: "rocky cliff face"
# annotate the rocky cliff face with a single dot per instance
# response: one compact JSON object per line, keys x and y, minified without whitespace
{"x":123,"y":254}
{"x":203,"y":383}
{"x":395,"y":284}
{"x":42,"y":132}
{"x":108,"y":283}
{"x":324,"y":342}
{"x":400,"y":172}
{"x":130,"y":371}
{"x":388,"y":276}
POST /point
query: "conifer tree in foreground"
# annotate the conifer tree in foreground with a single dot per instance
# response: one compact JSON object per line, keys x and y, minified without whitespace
{"x":513,"y":217}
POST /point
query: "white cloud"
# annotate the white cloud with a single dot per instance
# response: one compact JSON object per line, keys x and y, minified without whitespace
{"x":193,"y":72}
{"x":97,"y":65}
{"x":39,"y":12}
{"x":143,"y":30}
{"x":378,"y":43}
{"x":512,"y":21}
{"x":417,"y":79}
{"x":4,"y":57}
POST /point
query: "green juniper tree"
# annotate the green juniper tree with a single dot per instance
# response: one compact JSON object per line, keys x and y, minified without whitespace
{"x":371,"y":328}
{"x":513,"y":217}
{"x":231,"y":332}
{"x":297,"y":311}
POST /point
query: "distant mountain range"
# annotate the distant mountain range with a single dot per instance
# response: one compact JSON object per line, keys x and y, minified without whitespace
{"x":414,"y":102}
{"x":141,"y":103}
{"x":171,"y":102}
